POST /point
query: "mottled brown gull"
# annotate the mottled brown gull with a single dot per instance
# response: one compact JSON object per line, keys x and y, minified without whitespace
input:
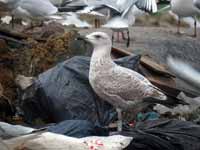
{"x":121,"y":87}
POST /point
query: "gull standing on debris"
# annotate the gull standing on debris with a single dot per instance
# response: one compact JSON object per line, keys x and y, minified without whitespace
{"x":121,"y":87}
{"x":129,"y":9}
{"x":186,"y":8}
{"x":32,"y":9}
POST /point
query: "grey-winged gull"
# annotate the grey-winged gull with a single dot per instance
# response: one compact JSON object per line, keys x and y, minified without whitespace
{"x":121,"y":87}
{"x":31,"y":8}
{"x":129,"y":10}
{"x":185,"y":8}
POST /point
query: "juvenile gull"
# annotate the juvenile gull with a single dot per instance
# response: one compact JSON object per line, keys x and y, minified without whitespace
{"x":121,"y":87}
{"x":186,"y":8}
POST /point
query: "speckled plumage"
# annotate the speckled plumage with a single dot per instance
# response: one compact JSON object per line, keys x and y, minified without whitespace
{"x":122,"y":87}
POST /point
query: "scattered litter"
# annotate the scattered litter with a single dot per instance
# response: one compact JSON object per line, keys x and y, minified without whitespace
{"x":6,"y":19}
{"x":164,"y":134}
{"x":46,"y":97}
{"x":78,"y":129}
{"x":9,"y":131}
{"x":184,"y":111}
{"x":147,"y":116}
{"x":47,"y":140}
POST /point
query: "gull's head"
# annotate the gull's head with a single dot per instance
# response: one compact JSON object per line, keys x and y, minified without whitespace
{"x":99,"y":39}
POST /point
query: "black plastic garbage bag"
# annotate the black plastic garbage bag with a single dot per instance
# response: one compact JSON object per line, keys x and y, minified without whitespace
{"x":78,"y":129}
{"x":164,"y":135}
{"x":64,"y":93}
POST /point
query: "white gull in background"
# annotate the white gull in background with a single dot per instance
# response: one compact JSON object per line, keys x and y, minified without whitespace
{"x":185,"y":8}
{"x":129,"y":10}
{"x":73,"y":19}
{"x":31,"y":9}
{"x":121,"y":87}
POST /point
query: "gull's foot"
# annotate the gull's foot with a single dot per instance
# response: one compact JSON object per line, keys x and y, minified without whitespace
{"x":194,"y":35}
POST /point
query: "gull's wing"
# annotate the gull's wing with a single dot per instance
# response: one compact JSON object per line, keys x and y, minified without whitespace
{"x":112,"y":4}
{"x":94,"y":2}
{"x":123,"y":5}
{"x":128,"y":84}
{"x":147,"y":5}
{"x":127,"y":11}
{"x":38,"y":7}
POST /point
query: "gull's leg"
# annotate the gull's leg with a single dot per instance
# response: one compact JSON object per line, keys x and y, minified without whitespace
{"x":128,"y":39}
{"x":123,"y":36}
{"x":119,"y":122}
{"x":195,"y":26}
{"x":113,"y":37}
{"x":179,"y":24}
{"x":12,"y":21}
{"x":97,"y":23}
{"x":118,"y":34}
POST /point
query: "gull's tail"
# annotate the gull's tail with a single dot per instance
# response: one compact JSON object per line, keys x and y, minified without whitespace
{"x":161,"y":97}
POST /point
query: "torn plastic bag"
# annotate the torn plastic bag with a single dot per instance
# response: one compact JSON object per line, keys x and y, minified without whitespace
{"x":9,"y":131}
{"x":64,"y":93}
{"x":73,"y":128}
{"x":164,"y":135}
{"x":78,"y":129}
{"x":52,"y":141}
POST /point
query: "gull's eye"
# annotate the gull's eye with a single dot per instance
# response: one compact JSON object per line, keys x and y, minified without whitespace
{"x":97,"y":36}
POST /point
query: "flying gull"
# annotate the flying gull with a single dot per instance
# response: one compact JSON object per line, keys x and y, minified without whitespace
{"x":186,"y":8}
{"x":121,"y":87}
{"x":185,"y":72}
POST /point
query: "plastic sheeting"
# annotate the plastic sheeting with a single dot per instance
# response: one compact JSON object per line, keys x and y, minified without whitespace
{"x":165,"y":135}
{"x":78,"y":129}
{"x":64,"y":93}
{"x":9,"y":131}
{"x":149,"y":135}
{"x":52,"y":141}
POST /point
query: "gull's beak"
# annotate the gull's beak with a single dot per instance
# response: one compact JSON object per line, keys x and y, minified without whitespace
{"x":82,"y":38}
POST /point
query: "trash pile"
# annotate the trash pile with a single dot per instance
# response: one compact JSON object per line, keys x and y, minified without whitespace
{"x":30,"y":55}
{"x":45,"y":89}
